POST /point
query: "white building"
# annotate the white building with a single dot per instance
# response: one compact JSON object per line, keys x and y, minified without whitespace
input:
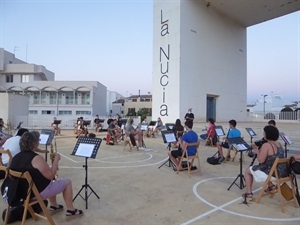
{"x":200,"y":55}
{"x":49,"y":97}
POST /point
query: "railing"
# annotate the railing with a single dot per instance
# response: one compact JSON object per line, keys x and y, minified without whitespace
{"x":67,"y":122}
{"x":289,"y":116}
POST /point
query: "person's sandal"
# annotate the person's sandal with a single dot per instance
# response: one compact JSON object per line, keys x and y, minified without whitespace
{"x":271,"y":189}
{"x":72,"y":214}
{"x":53,"y":209}
{"x":248,"y":197}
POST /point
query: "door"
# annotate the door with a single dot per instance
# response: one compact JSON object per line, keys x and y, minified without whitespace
{"x":210,"y":108}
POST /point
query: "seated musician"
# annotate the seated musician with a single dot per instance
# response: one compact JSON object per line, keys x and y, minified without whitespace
{"x":266,"y":155}
{"x":81,"y":128}
{"x":232,"y":133}
{"x":42,"y":175}
{"x":55,"y":127}
{"x":98,"y":125}
{"x":113,"y":131}
{"x":136,"y":133}
{"x":178,"y":130}
{"x":159,"y":127}
{"x":188,"y":137}
{"x":210,"y":131}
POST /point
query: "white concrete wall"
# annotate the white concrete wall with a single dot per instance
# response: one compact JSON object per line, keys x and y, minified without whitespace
{"x":13,"y":106}
{"x":206,"y":57}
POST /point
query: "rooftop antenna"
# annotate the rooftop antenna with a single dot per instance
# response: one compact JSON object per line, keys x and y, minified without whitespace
{"x":15,"y":49}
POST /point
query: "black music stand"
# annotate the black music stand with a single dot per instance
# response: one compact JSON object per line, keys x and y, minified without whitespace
{"x":168,"y":137}
{"x":240,"y":145}
{"x":144,"y":127}
{"x":57,"y":122}
{"x":88,"y":148}
{"x":170,"y":126}
{"x":287,"y":141}
{"x":251,"y":133}
{"x":219,"y":132}
{"x":86,"y":122}
{"x":152,"y":124}
{"x":46,"y":138}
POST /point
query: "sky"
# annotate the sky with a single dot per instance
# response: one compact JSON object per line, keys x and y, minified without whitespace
{"x":110,"y":41}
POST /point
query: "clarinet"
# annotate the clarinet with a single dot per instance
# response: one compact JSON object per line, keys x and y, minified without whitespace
{"x":253,"y":160}
{"x":259,"y":144}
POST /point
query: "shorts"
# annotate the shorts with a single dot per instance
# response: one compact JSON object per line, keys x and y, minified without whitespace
{"x":176,"y":153}
{"x":55,"y":187}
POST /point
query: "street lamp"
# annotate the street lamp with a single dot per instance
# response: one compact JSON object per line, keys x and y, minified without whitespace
{"x":264,"y":104}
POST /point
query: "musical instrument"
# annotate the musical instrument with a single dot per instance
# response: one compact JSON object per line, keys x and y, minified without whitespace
{"x":259,"y":144}
{"x":53,"y":151}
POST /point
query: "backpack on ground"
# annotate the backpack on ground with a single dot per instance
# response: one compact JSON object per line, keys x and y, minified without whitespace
{"x":213,"y":160}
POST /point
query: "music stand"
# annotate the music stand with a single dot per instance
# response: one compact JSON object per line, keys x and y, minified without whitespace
{"x":287,"y":141}
{"x":219,"y":132}
{"x":251,"y":133}
{"x":240,"y":145}
{"x":170,"y":126}
{"x":168,"y":137}
{"x":57,"y":122}
{"x":46,"y":138}
{"x":86,"y":122}
{"x":88,"y":148}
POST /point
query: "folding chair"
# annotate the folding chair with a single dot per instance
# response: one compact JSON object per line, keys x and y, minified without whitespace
{"x":29,"y":202}
{"x":281,"y":184}
{"x":190,"y":159}
{"x":9,"y":156}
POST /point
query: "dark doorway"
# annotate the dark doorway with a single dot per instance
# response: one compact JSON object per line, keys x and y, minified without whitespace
{"x":210,"y":108}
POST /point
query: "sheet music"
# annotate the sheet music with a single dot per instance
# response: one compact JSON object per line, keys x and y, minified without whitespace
{"x":170,"y":137}
{"x":287,"y":139}
{"x":241,"y":147}
{"x":251,"y":133}
{"x":144,"y":126}
{"x":44,"y":139}
{"x":85,"y":150}
{"x":219,"y":131}
{"x":171,"y":127}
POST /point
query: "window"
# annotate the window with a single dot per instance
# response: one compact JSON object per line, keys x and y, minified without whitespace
{"x":52,"y":97}
{"x":85,"y":98}
{"x":69,"y":98}
{"x":65,"y":112}
{"x":48,"y":112}
{"x":9,"y":78}
{"x":134,"y":100}
{"x":25,"y":78}
{"x":36,"y":98}
{"x":33,"y":112}
{"x":43,"y":98}
{"x":83,"y":112}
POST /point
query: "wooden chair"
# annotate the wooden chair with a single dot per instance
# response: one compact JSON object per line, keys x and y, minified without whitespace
{"x":127,"y":142}
{"x":9,"y":156}
{"x":190,"y":159}
{"x":29,"y":202}
{"x":209,"y":142}
{"x":279,"y":182}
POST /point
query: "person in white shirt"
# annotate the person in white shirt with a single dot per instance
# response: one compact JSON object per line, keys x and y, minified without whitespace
{"x":12,"y":144}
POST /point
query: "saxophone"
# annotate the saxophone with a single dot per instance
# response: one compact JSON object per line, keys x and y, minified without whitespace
{"x":53,"y":151}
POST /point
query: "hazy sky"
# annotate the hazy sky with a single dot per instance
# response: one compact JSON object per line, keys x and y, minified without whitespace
{"x":110,"y":41}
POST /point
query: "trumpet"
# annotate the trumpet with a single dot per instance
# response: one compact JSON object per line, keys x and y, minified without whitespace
{"x":53,"y":151}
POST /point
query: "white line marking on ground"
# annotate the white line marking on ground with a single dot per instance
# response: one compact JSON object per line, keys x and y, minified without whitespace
{"x":216,"y":208}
